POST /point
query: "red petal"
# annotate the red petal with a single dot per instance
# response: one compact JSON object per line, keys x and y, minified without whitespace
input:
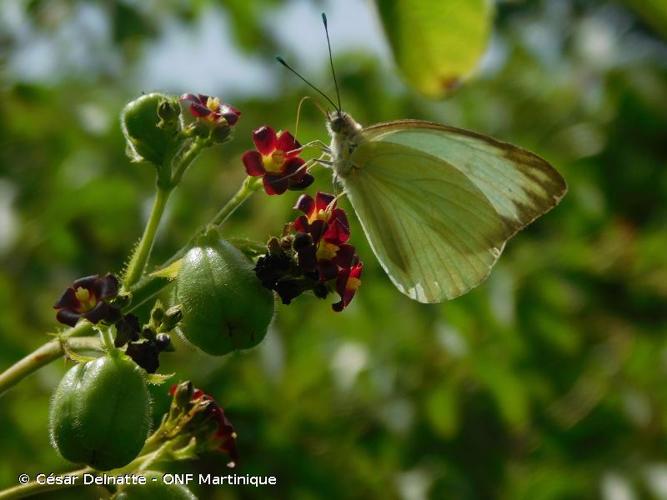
{"x":301,"y":224}
{"x":346,"y":256}
{"x":275,"y":184}
{"x":230,"y":113}
{"x":265,"y":140}
{"x":339,"y":229}
{"x":252,"y":161}
{"x":297,"y":183}
{"x":306,"y":204}
{"x":322,"y":200}
{"x":286,"y":142}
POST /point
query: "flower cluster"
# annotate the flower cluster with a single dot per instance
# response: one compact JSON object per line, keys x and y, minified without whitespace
{"x":276,"y":159}
{"x":211,"y":109}
{"x":213,"y":119}
{"x":313,"y":254}
{"x":195,"y":414}
{"x":96,"y":299}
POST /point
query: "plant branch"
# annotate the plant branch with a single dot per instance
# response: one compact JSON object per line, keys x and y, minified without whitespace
{"x":135,"y":268}
{"x":48,"y":352}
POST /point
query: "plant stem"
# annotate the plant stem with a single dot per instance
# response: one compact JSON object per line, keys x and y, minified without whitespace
{"x":48,"y":352}
{"x":135,"y":268}
{"x":150,"y":286}
{"x":249,"y":186}
{"x":183,"y":161}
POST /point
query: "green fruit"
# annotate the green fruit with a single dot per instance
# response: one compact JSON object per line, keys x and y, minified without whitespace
{"x":224,"y":305}
{"x":100,"y":412}
{"x":150,"y":125}
{"x":154,"y":489}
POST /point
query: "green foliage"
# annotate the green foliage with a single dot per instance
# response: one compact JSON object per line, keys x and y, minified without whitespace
{"x":437,"y":43}
{"x":547,"y":382}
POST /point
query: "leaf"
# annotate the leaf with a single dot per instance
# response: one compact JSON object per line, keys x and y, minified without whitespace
{"x":158,"y":378}
{"x":170,"y":272}
{"x":436,"y":43}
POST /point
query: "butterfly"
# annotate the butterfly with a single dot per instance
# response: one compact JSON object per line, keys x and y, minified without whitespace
{"x":436,"y":203}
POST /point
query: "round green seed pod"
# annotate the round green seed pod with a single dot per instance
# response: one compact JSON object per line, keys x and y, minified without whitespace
{"x":150,"y":125}
{"x":100,"y":412}
{"x":154,"y":488}
{"x":225,"y":307}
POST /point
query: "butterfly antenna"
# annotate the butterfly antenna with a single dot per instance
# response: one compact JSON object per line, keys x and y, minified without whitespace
{"x":282,"y":61}
{"x":333,"y":71}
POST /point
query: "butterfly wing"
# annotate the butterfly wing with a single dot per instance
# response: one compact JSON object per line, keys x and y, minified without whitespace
{"x":438,"y":203}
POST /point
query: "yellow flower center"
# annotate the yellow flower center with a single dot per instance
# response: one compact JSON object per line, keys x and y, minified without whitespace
{"x":274,"y":162}
{"x":352,"y":284}
{"x":85,"y":298}
{"x":213,"y":103}
{"x":326,"y":251}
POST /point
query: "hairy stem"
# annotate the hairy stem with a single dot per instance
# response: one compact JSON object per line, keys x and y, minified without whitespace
{"x":135,"y":268}
{"x":48,"y":352}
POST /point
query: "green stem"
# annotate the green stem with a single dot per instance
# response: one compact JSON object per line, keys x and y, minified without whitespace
{"x":183,"y":161}
{"x":249,"y":186}
{"x":150,"y":286}
{"x":135,"y":268}
{"x":43,"y":355}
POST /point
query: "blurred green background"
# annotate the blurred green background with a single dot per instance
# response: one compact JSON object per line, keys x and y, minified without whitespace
{"x":547,"y":382}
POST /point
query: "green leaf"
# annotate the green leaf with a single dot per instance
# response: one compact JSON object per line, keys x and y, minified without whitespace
{"x":436,"y":43}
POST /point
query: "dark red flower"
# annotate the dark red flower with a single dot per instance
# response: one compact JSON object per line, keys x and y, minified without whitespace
{"x":211,"y":109}
{"x":88,"y":298}
{"x":347,"y":283}
{"x":276,"y":160}
{"x":313,"y":255}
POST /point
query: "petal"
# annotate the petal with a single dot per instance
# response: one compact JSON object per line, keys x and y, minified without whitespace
{"x":68,"y":300}
{"x":199,"y":110}
{"x":230,"y":113}
{"x":317,"y":229}
{"x":346,"y":256}
{"x":294,"y":166}
{"x":275,"y":184}
{"x":338,"y":230}
{"x":252,"y":161}
{"x":306,"y":204}
{"x":301,"y":224}
{"x":286,"y":142}
{"x":265,"y":140}
{"x":67,"y":317}
{"x":299,"y":184}
{"x":102,"y":312}
{"x":322,"y":200}
{"x":108,"y":286}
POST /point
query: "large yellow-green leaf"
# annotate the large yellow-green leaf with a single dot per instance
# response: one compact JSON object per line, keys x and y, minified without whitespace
{"x":436,"y":43}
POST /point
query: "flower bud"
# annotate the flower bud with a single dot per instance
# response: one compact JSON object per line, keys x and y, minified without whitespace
{"x":150,"y":128}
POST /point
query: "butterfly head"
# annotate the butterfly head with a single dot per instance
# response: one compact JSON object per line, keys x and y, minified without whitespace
{"x":339,"y":123}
